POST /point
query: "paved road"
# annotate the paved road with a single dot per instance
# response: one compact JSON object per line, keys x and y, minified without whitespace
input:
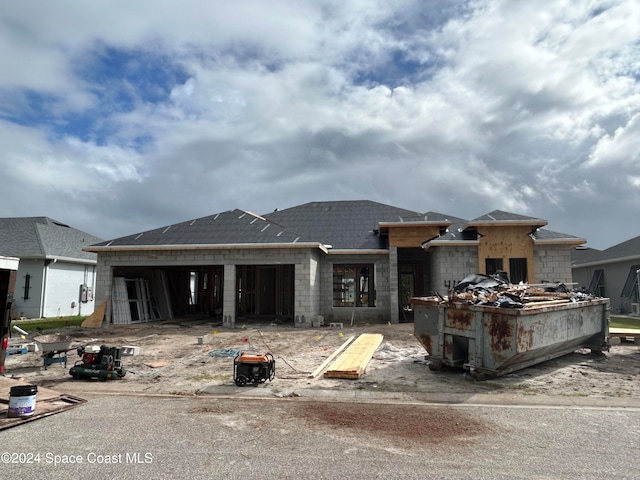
{"x":129,"y":437}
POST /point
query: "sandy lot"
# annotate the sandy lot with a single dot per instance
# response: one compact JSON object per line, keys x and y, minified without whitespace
{"x":398,"y":365}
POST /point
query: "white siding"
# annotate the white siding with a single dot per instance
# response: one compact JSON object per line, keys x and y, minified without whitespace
{"x":62,"y":291}
{"x":28,"y":307}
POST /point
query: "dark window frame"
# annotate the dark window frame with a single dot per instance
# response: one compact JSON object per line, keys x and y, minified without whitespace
{"x":493,"y":265}
{"x":518,"y":270}
{"x":353,"y":285}
{"x":27,"y":286}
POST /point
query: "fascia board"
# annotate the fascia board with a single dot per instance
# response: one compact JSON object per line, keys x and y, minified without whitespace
{"x":354,"y":251}
{"x":71,"y":260}
{"x":607,"y":262}
{"x":451,"y":243}
{"x":234,"y":246}
{"x":9,"y":263}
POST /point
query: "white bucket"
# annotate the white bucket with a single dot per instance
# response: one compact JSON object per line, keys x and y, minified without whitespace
{"x":22,"y":401}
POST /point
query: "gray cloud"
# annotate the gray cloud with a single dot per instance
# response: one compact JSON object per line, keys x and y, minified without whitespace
{"x":531,"y":108}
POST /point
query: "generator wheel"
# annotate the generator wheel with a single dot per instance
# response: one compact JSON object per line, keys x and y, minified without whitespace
{"x":241,"y":380}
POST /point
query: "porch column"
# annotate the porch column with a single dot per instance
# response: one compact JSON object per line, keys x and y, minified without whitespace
{"x":229,"y":297}
{"x":307,"y":293}
{"x":394,"y":306}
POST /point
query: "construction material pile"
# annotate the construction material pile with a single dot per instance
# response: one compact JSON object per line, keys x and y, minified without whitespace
{"x":495,"y":291}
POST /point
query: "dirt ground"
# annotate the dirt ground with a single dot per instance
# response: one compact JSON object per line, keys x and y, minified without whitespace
{"x":184,"y":357}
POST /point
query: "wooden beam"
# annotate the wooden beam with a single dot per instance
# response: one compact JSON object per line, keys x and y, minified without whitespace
{"x":352,"y":363}
{"x":324,"y":364}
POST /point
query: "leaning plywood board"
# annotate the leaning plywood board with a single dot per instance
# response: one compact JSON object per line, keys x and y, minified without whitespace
{"x":95,"y":319}
{"x":47,"y":402}
{"x":352,"y":363}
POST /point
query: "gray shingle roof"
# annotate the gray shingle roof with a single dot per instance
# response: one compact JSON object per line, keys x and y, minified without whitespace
{"x":627,"y":249}
{"x":500,"y":216}
{"x":43,"y":237}
{"x":226,"y":228}
{"x":543,"y":234}
{"x":342,"y":224}
{"x":350,"y":224}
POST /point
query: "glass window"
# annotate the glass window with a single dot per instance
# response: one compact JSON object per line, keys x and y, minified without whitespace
{"x":353,"y":285}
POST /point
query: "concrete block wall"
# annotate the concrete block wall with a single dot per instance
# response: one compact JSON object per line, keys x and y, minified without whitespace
{"x":450,"y":265}
{"x":394,"y":307}
{"x":307,"y":283}
{"x":552,"y":263}
{"x":307,"y":291}
{"x":380,"y":312}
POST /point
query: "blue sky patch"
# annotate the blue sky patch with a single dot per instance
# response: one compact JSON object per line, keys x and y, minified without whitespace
{"x":120,"y":81}
{"x":124,"y":78}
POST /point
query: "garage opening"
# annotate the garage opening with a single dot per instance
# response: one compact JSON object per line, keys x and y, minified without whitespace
{"x":151,"y":293}
{"x":263,"y":292}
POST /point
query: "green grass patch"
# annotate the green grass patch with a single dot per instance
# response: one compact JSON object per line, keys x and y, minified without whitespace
{"x":43,"y":324}
{"x":625,"y":322}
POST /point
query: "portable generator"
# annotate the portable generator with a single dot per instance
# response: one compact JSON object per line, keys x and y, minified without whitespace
{"x":103,"y":363}
{"x":250,"y":368}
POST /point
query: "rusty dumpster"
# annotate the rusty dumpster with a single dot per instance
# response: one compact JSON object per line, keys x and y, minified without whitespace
{"x":494,"y":341}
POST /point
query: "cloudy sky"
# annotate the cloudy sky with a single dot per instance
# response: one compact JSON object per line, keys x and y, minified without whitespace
{"x":121,"y":116}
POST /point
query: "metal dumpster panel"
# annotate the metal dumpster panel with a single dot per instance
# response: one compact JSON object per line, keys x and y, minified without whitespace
{"x":501,"y":340}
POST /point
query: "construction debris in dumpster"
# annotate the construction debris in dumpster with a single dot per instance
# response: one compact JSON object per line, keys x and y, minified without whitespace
{"x":496,"y":291}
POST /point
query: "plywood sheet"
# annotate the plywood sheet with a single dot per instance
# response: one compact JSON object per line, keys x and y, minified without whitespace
{"x":95,"y":319}
{"x":352,"y":363}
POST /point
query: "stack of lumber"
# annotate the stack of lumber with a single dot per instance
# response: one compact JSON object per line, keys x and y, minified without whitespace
{"x":352,"y":363}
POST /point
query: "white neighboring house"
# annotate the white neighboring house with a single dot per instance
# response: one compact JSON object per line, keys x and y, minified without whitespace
{"x":56,"y":278}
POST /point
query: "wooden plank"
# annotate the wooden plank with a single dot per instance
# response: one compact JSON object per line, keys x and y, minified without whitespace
{"x":324,"y":364}
{"x":624,"y":332}
{"x":352,"y":363}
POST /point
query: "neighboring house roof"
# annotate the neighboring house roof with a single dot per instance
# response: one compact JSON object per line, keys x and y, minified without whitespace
{"x":43,"y":237}
{"x":627,"y":250}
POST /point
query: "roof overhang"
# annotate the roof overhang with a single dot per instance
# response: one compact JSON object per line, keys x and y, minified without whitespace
{"x":383,"y":227}
{"x":233,"y":246}
{"x":9,"y":263}
{"x":59,"y":258}
{"x":560,"y":241}
{"x":609,"y":261}
{"x":359,"y":252}
{"x":450,"y":243}
{"x":532,"y":222}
